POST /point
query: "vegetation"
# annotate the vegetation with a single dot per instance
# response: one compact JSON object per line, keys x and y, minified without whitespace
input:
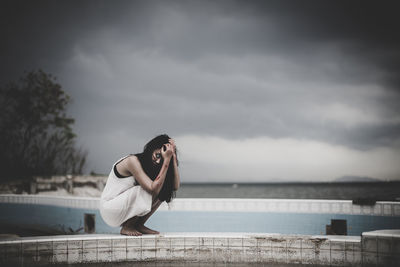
{"x":36,"y":138}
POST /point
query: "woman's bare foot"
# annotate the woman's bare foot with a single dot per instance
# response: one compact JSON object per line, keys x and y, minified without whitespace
{"x":129,"y":230}
{"x":144,"y":230}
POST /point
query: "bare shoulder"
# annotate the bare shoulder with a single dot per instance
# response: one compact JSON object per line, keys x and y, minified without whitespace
{"x":132,"y":159}
{"x":136,"y":170}
{"x":133,"y":162}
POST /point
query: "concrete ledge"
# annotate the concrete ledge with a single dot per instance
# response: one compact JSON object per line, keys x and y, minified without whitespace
{"x":185,"y":247}
{"x":369,"y":250}
{"x":381,"y":247}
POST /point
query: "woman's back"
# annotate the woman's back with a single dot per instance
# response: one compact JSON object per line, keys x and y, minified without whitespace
{"x":116,"y":185}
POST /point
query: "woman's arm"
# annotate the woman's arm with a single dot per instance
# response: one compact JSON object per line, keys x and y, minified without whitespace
{"x":177,"y":180}
{"x":153,"y":187}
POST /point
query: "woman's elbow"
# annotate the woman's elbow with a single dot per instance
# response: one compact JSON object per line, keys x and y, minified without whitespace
{"x":150,"y":189}
{"x":155,"y":188}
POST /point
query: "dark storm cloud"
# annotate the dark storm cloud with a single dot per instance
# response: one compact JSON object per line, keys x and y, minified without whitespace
{"x":318,"y":70}
{"x":39,"y":32}
{"x":51,"y":28}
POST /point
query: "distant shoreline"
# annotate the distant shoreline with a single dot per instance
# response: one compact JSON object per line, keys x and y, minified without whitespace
{"x":291,"y":183}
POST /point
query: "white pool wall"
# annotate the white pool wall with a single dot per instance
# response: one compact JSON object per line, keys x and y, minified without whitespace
{"x":381,"y":208}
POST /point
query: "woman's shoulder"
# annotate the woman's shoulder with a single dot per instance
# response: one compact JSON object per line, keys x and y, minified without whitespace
{"x":132,"y":159}
{"x":133,"y":163}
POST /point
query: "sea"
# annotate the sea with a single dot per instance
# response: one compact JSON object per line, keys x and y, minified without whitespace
{"x":379,"y":191}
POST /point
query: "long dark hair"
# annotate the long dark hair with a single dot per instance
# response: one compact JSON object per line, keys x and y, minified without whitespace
{"x":167,"y":191}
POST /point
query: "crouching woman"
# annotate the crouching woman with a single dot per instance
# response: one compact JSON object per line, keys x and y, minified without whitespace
{"x":138,"y":184}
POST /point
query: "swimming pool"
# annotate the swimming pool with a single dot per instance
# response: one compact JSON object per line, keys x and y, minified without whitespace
{"x":222,"y":231}
{"x":284,"y":216}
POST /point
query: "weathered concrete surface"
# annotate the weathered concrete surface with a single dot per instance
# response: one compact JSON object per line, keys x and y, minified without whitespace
{"x":185,"y":247}
{"x":381,"y":247}
{"x":377,"y":248}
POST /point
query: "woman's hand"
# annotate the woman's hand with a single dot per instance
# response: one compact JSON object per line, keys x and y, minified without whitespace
{"x":177,"y":179}
{"x":167,"y":151}
{"x":172,"y":142}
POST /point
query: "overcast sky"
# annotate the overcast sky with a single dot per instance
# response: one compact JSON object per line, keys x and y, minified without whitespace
{"x":252,"y":91}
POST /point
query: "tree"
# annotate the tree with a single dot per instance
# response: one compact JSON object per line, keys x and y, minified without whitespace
{"x":36,"y":138}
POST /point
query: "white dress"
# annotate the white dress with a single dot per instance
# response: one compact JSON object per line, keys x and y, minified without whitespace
{"x":122,"y":199}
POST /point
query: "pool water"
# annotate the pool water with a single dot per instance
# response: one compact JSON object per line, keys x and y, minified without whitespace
{"x":64,"y":220}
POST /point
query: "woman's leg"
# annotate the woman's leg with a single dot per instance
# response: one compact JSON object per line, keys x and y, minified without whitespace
{"x":129,"y":228}
{"x":135,"y":225}
{"x":139,"y":224}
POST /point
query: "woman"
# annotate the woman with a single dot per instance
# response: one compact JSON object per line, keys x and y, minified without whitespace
{"x":138,"y":184}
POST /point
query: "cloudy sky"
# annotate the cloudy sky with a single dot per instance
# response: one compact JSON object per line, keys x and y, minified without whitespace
{"x":252,"y":91}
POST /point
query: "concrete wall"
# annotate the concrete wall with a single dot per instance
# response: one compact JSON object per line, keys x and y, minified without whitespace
{"x":206,"y":247}
{"x":381,"y":208}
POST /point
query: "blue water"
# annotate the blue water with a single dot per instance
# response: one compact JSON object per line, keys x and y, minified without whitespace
{"x":68,"y":220}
